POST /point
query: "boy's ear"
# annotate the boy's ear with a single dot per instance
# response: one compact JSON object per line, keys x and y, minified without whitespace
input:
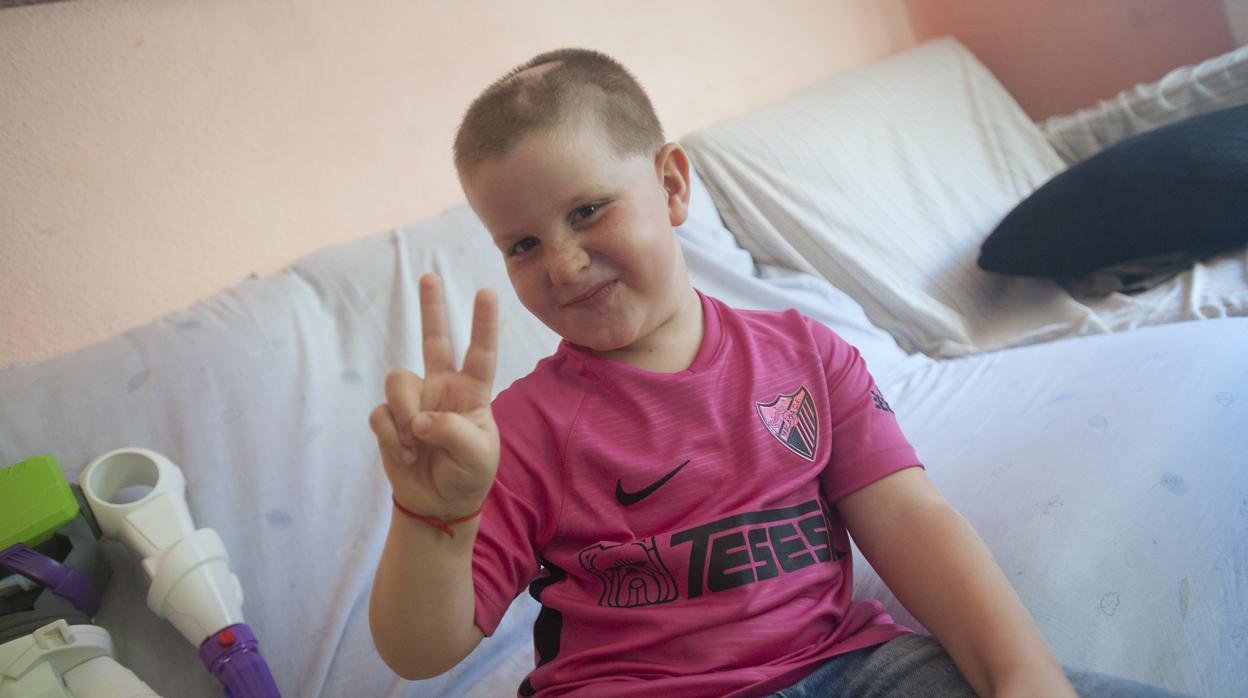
{"x":672,"y":166}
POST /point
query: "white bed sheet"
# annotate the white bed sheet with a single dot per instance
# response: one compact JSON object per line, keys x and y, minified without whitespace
{"x":261,"y":394}
{"x":1109,"y":476}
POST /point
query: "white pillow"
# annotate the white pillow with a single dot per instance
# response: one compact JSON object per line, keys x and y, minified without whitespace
{"x":885,"y":180}
{"x":720,"y":268}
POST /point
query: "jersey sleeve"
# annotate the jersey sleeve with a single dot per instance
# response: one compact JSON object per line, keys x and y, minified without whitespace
{"x":519,"y":511}
{"x":867,"y":442}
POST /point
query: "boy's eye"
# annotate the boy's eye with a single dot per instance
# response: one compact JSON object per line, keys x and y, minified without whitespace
{"x":523,"y":246}
{"x":584,"y":212}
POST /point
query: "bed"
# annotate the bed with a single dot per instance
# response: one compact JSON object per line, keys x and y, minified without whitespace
{"x":1099,"y":447}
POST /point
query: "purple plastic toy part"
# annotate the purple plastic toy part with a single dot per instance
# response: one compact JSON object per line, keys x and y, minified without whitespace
{"x":233,"y":656}
{"x":62,"y":580}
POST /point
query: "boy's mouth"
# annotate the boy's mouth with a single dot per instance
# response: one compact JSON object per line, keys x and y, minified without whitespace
{"x":593,"y":293}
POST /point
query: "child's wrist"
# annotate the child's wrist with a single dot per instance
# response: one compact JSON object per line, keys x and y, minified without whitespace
{"x":446,"y":523}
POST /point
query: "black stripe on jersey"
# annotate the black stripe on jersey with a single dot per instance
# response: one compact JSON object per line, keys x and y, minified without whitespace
{"x":549,"y":624}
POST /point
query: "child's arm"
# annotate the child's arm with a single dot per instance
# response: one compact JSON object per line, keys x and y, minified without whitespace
{"x":440,"y":449}
{"x":940,"y":570}
{"x":421,"y":609}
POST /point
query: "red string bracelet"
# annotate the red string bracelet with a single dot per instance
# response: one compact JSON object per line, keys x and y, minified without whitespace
{"x":443,"y":525}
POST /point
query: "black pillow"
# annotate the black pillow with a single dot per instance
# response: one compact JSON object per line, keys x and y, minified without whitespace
{"x":1182,"y":187}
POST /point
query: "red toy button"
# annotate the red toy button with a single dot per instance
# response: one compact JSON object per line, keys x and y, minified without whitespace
{"x":226,"y":638}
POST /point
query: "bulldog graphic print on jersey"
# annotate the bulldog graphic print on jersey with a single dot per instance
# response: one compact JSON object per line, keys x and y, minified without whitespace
{"x":792,"y":420}
{"x":632,"y":574}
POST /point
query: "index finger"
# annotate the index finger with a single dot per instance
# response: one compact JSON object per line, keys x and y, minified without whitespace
{"x":481,"y":359}
{"x":436,"y":334}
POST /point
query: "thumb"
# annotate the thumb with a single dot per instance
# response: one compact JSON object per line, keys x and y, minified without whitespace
{"x":466,"y":442}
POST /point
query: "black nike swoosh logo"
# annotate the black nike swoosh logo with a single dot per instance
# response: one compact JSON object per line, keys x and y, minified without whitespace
{"x":627,"y":498}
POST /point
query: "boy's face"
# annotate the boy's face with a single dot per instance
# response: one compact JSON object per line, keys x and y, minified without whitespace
{"x":587,"y":235}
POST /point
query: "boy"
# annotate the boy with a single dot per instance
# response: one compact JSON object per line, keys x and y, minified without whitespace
{"x":675,"y":483}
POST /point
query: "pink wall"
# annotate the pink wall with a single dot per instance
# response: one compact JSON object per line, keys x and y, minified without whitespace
{"x":152,"y":153}
{"x":1056,"y":56}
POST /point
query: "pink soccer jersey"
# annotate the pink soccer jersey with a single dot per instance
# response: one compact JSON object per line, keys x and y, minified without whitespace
{"x":679,"y":529}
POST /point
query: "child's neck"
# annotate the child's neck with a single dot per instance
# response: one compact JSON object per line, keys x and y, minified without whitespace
{"x":673,"y":346}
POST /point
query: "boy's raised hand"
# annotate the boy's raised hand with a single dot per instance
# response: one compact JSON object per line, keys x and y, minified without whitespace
{"x":438,"y":440}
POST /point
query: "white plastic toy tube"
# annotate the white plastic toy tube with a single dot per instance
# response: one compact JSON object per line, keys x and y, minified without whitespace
{"x":191,"y":583}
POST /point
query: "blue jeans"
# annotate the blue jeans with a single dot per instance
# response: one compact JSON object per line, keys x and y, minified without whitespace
{"x":916,"y":665}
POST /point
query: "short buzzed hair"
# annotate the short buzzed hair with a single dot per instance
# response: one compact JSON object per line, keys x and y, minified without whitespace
{"x":571,"y":83}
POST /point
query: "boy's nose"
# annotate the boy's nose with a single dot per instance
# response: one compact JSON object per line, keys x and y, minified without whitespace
{"x":567,"y":263}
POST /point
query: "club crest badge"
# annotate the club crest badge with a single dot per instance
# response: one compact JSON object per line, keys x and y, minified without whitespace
{"x":792,"y":420}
